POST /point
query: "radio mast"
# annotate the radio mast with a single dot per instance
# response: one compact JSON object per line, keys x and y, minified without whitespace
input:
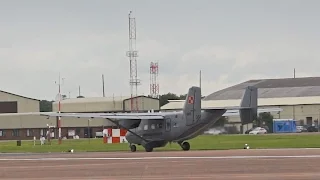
{"x":133,"y":54}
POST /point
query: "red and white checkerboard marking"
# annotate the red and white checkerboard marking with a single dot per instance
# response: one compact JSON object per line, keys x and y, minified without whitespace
{"x":115,"y":135}
{"x":190,"y":99}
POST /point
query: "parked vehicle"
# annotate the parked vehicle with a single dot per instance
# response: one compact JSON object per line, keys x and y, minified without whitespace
{"x":247,"y":131}
{"x":312,"y":129}
{"x":300,"y":129}
{"x":258,"y":130}
{"x":215,"y":131}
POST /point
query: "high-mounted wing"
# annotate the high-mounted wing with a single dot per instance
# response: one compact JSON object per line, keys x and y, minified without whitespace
{"x":115,"y":116}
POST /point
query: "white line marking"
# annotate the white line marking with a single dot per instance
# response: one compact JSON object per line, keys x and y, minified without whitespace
{"x":148,"y":158}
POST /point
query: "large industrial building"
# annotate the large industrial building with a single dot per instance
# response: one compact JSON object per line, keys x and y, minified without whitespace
{"x":298,"y":97}
{"x":28,"y":126}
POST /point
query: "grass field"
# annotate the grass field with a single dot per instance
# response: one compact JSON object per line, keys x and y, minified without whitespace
{"x":204,"y":142}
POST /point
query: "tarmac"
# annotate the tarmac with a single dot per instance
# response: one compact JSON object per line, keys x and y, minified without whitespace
{"x":293,"y":164}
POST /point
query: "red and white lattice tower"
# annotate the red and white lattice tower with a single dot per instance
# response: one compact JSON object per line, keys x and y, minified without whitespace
{"x":133,"y":54}
{"x":154,"y":84}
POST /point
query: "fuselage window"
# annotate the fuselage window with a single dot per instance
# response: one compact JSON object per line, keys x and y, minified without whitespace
{"x":160,"y":125}
{"x":145,"y":127}
{"x":153,"y":126}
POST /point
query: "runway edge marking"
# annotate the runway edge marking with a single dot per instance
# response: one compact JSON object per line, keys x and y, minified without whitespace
{"x":148,"y":158}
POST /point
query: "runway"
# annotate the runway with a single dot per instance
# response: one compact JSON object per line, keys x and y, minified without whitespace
{"x":293,"y":164}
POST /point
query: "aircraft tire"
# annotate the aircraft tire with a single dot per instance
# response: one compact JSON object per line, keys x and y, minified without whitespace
{"x":185,"y":146}
{"x":133,"y":148}
{"x":148,"y":149}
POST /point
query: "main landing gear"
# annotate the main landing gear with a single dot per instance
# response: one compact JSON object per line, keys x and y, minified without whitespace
{"x":148,"y":148}
{"x":185,"y":146}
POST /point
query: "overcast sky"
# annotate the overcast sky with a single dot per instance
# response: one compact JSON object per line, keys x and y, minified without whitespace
{"x":230,"y":41}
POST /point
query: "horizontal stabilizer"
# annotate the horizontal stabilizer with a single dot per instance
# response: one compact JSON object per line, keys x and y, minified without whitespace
{"x":260,"y":110}
{"x":248,"y":109}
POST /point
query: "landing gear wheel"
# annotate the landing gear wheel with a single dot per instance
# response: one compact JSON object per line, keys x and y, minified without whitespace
{"x":133,"y":148}
{"x":148,"y":149}
{"x":185,"y":146}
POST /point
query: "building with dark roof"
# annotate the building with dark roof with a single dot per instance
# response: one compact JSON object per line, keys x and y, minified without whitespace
{"x":298,"y":97}
{"x":272,"y":88}
{"x":20,"y":127}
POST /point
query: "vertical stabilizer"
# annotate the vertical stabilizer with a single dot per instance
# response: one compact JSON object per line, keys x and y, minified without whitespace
{"x":192,"y":105}
{"x":249,"y":105}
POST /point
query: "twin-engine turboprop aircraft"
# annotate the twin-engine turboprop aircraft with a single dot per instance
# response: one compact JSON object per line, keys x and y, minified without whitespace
{"x":152,"y":130}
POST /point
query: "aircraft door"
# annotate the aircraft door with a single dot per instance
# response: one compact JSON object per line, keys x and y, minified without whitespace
{"x":168,"y":124}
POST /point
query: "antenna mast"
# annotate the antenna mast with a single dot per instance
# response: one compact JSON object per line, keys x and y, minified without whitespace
{"x":103,"y":93}
{"x":59,"y":108}
{"x":154,"y":84}
{"x":133,"y":54}
{"x":200,"y":79}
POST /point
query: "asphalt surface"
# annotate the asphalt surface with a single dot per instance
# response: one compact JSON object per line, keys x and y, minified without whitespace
{"x":293,"y":164}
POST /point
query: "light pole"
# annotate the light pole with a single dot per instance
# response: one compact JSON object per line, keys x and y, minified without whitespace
{"x":89,"y":132}
{"x":59,"y":108}
{"x":318,"y":121}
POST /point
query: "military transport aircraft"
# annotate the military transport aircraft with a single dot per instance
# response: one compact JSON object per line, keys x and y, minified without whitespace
{"x":152,"y":130}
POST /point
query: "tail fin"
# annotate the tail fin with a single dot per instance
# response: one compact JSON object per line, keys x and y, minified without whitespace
{"x":192,"y":105}
{"x":249,"y":105}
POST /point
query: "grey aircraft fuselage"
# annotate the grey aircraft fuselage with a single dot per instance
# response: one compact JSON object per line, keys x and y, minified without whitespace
{"x":174,"y":128}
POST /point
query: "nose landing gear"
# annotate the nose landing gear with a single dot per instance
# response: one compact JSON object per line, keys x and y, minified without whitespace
{"x":133,"y":148}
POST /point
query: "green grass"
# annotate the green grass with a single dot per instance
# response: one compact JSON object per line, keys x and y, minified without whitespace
{"x":204,"y":142}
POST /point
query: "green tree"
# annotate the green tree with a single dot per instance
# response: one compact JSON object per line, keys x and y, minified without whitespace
{"x":265,"y":120}
{"x":169,"y":96}
{"x":183,"y":96}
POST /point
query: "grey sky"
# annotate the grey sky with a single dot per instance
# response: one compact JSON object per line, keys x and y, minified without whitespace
{"x":230,"y":41}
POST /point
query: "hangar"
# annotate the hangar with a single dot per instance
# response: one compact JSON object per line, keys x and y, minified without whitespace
{"x":26,"y":126}
{"x":298,"y":97}
{"x":17,"y":127}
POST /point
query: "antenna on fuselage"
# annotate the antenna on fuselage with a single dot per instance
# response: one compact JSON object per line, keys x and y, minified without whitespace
{"x":200,"y":79}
